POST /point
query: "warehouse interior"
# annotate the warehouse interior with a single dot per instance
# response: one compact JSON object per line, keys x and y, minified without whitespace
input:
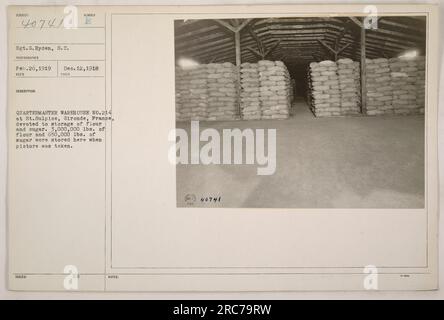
{"x":345,"y":94}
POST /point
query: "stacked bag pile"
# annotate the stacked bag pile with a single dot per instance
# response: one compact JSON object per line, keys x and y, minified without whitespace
{"x":379,"y":87}
{"x":222,"y":91}
{"x":191,"y":89}
{"x":250,"y":84}
{"x":265,"y":90}
{"x":349,"y":86}
{"x":210,"y":91}
{"x":274,"y":92}
{"x":206,"y":92}
{"x":324,"y":89}
{"x":403,"y":72}
{"x":395,"y":85}
{"x":309,"y":89}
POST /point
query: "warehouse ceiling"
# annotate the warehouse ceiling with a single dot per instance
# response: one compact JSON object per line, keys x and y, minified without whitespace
{"x":296,"y":41}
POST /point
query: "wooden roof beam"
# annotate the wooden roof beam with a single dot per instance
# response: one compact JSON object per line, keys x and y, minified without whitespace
{"x":357,"y":22}
{"x":327,"y":46}
{"x":226,"y":25}
{"x":232,"y":28}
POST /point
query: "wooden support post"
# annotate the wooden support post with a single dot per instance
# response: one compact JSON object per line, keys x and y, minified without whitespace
{"x":238,"y":49}
{"x":236,"y":30}
{"x":363,"y":72}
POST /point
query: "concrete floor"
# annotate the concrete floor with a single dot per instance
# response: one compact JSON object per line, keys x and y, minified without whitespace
{"x":342,"y":162}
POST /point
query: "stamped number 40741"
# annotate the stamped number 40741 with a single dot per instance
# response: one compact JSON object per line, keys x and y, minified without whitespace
{"x":211,"y":199}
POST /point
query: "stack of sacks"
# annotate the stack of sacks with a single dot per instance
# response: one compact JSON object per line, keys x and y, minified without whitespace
{"x":404,"y":85}
{"x":348,"y":89}
{"x":250,"y":83}
{"x":192,"y":91}
{"x":274,"y":90}
{"x":207,"y":92}
{"x":379,"y":89}
{"x":325,"y":95}
{"x":309,"y":91}
{"x":420,"y":84}
{"x":222,"y":91}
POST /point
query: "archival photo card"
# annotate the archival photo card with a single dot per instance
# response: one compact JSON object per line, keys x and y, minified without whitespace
{"x":256,"y":148}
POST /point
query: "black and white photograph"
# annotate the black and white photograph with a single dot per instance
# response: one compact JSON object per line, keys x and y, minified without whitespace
{"x":301,"y":112}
